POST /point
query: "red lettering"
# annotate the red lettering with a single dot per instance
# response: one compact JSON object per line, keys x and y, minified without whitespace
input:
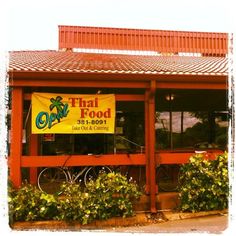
{"x":107,"y":114}
{"x":99,"y":114}
{"x":84,"y":112}
{"x":82,"y":103}
{"x":96,"y":102}
{"x":73,"y":100}
{"x":93,"y":114}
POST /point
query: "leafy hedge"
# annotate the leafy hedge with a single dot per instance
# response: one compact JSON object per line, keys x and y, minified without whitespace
{"x":204,"y":184}
{"x":110,"y":195}
{"x":29,"y":203}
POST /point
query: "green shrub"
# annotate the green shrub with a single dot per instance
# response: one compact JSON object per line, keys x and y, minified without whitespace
{"x":75,"y":204}
{"x":114,"y":195}
{"x":204,"y":184}
{"x":109,"y":195}
{"x":28,"y":203}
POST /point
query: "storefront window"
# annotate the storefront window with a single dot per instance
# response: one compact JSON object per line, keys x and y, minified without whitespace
{"x":191,"y":130}
{"x":129,"y":136}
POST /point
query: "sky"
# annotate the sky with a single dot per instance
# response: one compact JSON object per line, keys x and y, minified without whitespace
{"x":33,"y":25}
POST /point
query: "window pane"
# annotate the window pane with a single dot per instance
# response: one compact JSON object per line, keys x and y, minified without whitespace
{"x":200,"y":129}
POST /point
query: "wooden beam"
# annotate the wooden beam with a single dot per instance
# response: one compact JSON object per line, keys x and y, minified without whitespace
{"x":185,"y":85}
{"x":119,"y":97}
{"x":76,"y":83}
{"x":130,"y":97}
{"x":83,"y":160}
{"x":178,"y":157}
{"x":117,"y":80}
{"x":165,"y":157}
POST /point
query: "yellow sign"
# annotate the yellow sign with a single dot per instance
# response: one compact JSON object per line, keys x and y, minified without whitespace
{"x":73,"y":113}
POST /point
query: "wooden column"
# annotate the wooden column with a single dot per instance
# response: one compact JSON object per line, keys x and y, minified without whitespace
{"x":33,"y":151}
{"x":150,"y":145}
{"x":152,"y":142}
{"x":16,"y":136}
{"x":147,"y":143}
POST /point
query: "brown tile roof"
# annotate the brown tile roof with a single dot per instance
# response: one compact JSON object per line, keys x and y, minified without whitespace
{"x":56,"y":61}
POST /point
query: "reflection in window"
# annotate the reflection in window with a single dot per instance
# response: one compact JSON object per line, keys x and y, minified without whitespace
{"x":129,"y":137}
{"x":191,"y":130}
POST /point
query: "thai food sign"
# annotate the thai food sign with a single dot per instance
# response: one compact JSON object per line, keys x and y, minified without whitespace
{"x":73,"y":113}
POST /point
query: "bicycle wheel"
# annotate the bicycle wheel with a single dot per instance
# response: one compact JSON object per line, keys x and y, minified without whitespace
{"x":166,"y":178}
{"x":93,"y":172}
{"x":50,"y":179}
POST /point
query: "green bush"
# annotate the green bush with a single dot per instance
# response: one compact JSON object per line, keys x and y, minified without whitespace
{"x":204,"y":184}
{"x":75,"y":204}
{"x":110,"y":195}
{"x":28,"y":203}
{"x":114,"y":193}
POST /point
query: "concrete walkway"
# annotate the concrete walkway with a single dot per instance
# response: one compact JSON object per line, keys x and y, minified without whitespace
{"x":140,"y":219}
{"x":214,"y":224}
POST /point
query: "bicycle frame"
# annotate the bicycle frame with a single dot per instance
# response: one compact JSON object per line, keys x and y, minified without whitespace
{"x":72,"y":178}
{"x":55,"y":176}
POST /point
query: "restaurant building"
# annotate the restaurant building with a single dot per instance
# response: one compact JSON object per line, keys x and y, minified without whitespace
{"x":118,"y":97}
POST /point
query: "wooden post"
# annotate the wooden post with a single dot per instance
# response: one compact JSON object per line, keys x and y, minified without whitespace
{"x":16,"y":136}
{"x":33,"y":151}
{"x":147,"y":143}
{"x":152,"y":141}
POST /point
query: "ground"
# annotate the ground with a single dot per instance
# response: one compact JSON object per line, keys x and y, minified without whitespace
{"x":214,"y":224}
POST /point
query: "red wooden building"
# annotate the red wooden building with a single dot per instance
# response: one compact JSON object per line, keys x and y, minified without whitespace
{"x":170,"y":99}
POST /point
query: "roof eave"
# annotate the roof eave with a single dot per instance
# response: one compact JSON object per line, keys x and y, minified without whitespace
{"x":141,"y":76}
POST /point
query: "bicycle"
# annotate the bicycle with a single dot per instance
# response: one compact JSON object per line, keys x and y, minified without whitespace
{"x":50,"y":179}
{"x":167,"y":177}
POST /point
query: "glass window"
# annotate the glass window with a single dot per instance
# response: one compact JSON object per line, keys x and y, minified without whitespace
{"x":129,"y":137}
{"x":191,"y":130}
